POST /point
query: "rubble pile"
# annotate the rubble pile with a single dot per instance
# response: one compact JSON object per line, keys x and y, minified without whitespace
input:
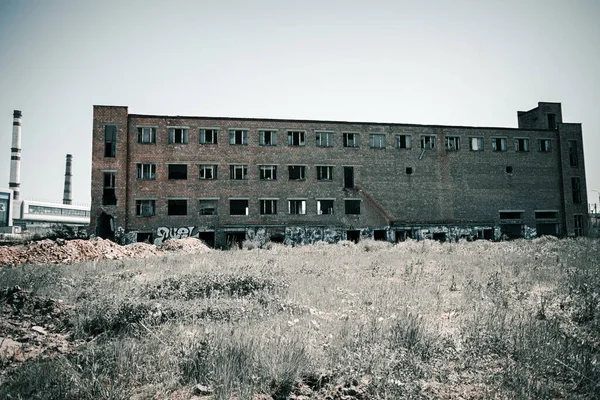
{"x":61,"y":251}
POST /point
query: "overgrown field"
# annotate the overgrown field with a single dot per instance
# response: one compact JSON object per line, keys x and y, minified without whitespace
{"x":371,"y":320}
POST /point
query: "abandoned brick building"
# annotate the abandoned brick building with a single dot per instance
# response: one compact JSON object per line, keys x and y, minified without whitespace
{"x":156,"y":177}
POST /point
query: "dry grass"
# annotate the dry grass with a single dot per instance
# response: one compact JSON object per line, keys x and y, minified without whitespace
{"x":415,"y":320}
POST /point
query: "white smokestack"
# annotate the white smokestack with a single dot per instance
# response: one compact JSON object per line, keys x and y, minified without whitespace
{"x":68,"y":196}
{"x":15,"y":156}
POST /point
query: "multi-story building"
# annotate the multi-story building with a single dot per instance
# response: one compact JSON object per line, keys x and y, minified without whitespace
{"x":156,"y":177}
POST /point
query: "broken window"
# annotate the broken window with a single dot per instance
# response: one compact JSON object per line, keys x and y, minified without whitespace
{"x":238,"y":172}
{"x":208,"y":136}
{"x":476,"y":143}
{"x":551,"y":121}
{"x":511,"y":214}
{"x":428,"y":142}
{"x":578,"y":224}
{"x":348,"y":177}
{"x":546,"y":215}
{"x":267,"y":172}
{"x":176,"y":207}
{"x":545,"y":145}
{"x":208,"y":171}
{"x":498,"y":144}
{"x":208,"y":207}
{"x":352,"y":207}
{"x":377,"y":140}
{"x":296,"y":138}
{"x":109,"y":197}
{"x":178,"y":135}
{"x":267,"y":138}
{"x":324,"y":207}
{"x":403,"y":142}
{"x":573,"y":159}
{"x":145,"y":208}
{"x":350,"y":139}
{"x":324,"y":139}
{"x":452,"y":143}
{"x":509,"y":169}
{"x":576,"y":188}
{"x":238,"y":137}
{"x":238,"y":207}
{"x":521,"y":145}
{"x":177,"y":171}
{"x":146,"y":135}
{"x":297,"y":172}
{"x":297,"y":207}
{"x":146,"y":171}
{"x":110,"y":141}
{"x":268,"y":207}
{"x":324,"y":173}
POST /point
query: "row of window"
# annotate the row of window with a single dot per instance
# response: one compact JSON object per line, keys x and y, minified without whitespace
{"x":147,"y":208}
{"x":147,"y":171}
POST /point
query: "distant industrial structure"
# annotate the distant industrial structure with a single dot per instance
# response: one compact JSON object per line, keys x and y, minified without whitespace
{"x":156,"y":177}
{"x":17,"y":215}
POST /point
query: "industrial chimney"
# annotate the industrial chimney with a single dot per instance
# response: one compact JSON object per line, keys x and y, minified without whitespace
{"x":15,"y":156}
{"x":68,"y":196}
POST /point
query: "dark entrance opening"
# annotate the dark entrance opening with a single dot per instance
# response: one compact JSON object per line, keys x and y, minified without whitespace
{"x":208,"y":238}
{"x":379,"y":234}
{"x":512,"y":231}
{"x":402,"y":235}
{"x":353,"y":236}
{"x":235,"y":239}
{"x":439,"y":236}
{"x":144,"y":237}
{"x":546,"y":229}
{"x":104,"y":227}
{"x":277,"y":238}
{"x":348,"y":177}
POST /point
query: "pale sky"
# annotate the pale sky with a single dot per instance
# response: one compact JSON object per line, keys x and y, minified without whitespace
{"x":449,"y":62}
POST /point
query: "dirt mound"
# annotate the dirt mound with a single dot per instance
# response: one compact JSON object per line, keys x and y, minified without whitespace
{"x":62,"y":251}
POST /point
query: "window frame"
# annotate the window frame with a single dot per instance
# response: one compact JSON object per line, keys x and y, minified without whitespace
{"x":169,"y":176}
{"x":233,"y":137}
{"x":172,"y":133}
{"x":301,"y":138}
{"x":525,"y":142}
{"x":202,"y":135}
{"x":573,"y":148}
{"x":455,"y":146}
{"x":346,"y":203}
{"x":272,"y":208}
{"x":272,"y":134}
{"x":247,"y":208}
{"x":207,"y":167}
{"x":480,"y":143}
{"x":320,"y":208}
{"x":271,"y":168}
{"x":377,"y":140}
{"x":170,"y":212}
{"x":151,"y":137}
{"x":424,"y":139}
{"x":300,"y":210}
{"x":142,"y":175}
{"x":576,"y":189}
{"x":112,"y":141}
{"x":407,"y":142}
{"x":211,"y":199}
{"x":328,"y":174}
{"x":545,"y":149}
{"x":355,"y":140}
{"x":503,"y":144}
{"x":302,"y":172}
{"x":139,"y":207}
{"x":324,"y":138}
{"x":233,"y":174}
{"x":109,"y":199}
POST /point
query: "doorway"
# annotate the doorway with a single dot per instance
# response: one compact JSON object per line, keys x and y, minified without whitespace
{"x":353,"y":236}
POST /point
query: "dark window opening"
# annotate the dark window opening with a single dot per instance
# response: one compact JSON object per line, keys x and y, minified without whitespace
{"x":403,"y":142}
{"x":268,"y":207}
{"x":509,"y":169}
{"x":235,"y":239}
{"x":208,"y":136}
{"x":379,"y":234}
{"x":546,"y":215}
{"x":324,"y":207}
{"x":238,"y":172}
{"x":297,"y":172}
{"x":267,"y":172}
{"x":576,"y":187}
{"x":402,"y":235}
{"x":546,"y":229}
{"x":348,"y":177}
{"x":297,"y":207}
{"x":350,"y":139}
{"x":324,"y":173}
{"x":409,"y":170}
{"x":521,"y":145}
{"x":488,"y":234}
{"x":377,"y":141}
{"x":208,"y":238}
{"x":145,"y":208}
{"x":109,"y":197}
{"x":353,"y":236}
{"x":238,"y":207}
{"x":208,"y":207}
{"x":277,"y":238}
{"x":551,"y":121}
{"x":146,"y":171}
{"x":178,"y":136}
{"x":498,"y":144}
{"x":578,"y":225}
{"x":208,"y":172}
{"x":146,"y":135}
{"x":352,"y":207}
{"x":176,"y":207}
{"x":573,"y":158}
{"x":324,"y":139}
{"x":267,"y":138}
{"x":238,"y":137}
{"x":512,"y":231}
{"x":545,"y":145}
{"x":296,"y":138}
{"x":428,"y":142}
{"x":177,"y":171}
{"x":110,"y":141}
{"x":452,"y":143}
{"x":145,"y":237}
{"x":510,"y":214}
{"x":439,"y":236}
{"x":104,"y":227}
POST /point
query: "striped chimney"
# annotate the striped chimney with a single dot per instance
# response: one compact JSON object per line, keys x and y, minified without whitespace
{"x":68,"y":195}
{"x":15,"y":156}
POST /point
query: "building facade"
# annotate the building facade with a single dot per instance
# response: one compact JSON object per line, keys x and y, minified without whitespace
{"x":157,"y":177}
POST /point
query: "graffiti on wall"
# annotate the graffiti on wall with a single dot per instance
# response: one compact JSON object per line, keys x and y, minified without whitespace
{"x":163,"y":233}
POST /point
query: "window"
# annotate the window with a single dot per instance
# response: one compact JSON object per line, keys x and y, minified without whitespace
{"x":573,"y":159}
{"x":110,"y":141}
{"x":208,"y":207}
{"x":476,"y":144}
{"x":208,"y":171}
{"x":521,"y":145}
{"x":348,"y":177}
{"x":511,"y":214}
{"x":178,"y":135}
{"x":324,"y":207}
{"x":146,"y":171}
{"x":238,"y":172}
{"x":403,"y":142}
{"x":509,"y":169}
{"x":452,"y":143}
{"x":377,"y":141}
{"x":267,"y":138}
{"x":576,"y":188}
{"x":238,"y":207}
{"x":108,"y":193}
{"x":545,"y":145}
{"x":428,"y":142}
{"x":176,"y":207}
{"x":551,"y":121}
{"x":296,"y":138}
{"x":498,"y":144}
{"x":144,"y":208}
{"x":297,"y":207}
{"x":350,"y":139}
{"x":146,"y":135}
{"x":267,"y":172}
{"x":352,"y":207}
{"x":297,"y":172}
{"x":324,"y":139}
{"x":546,"y":215}
{"x":208,"y":136}
{"x":578,"y":225}
{"x":324,"y":173}
{"x":268,"y":207}
{"x":177,"y":171}
{"x":238,"y":137}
